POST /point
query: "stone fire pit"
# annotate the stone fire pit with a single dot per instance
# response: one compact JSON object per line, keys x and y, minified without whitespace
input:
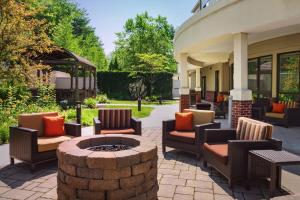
{"x":107,"y":167}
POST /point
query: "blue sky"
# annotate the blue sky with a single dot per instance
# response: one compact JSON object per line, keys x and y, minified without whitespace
{"x":109,"y":16}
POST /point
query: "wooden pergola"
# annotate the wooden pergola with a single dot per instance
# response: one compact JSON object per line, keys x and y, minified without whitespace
{"x":76,"y":66}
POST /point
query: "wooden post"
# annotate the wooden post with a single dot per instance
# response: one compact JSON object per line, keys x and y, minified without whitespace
{"x":72,"y":75}
{"x":90,"y":81}
{"x":95,"y":82}
{"x":76,"y":84}
{"x":84,"y":86}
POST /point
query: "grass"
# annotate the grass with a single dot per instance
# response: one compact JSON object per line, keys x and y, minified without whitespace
{"x":165,"y":102}
{"x":87,"y":114}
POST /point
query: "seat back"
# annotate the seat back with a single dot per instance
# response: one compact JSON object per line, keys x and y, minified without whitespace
{"x":250,"y":129}
{"x":290,"y":104}
{"x":201,"y":116}
{"x":115,"y":118}
{"x":34,"y":121}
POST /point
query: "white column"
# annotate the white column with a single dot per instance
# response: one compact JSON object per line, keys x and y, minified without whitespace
{"x":198,"y":76}
{"x":240,"y":77}
{"x":184,"y":76}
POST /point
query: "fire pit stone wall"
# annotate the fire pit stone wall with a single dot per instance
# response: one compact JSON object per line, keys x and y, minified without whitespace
{"x":125,"y":174}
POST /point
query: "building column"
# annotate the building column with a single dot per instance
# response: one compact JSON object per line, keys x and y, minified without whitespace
{"x":242,"y":96}
{"x":198,"y":86}
{"x":184,"y":90}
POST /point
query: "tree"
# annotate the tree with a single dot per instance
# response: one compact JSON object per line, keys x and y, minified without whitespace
{"x":113,"y":65}
{"x":144,"y":40}
{"x":23,"y":36}
{"x":69,"y":28}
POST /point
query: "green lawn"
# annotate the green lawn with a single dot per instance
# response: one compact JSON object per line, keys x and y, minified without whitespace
{"x":165,"y":102}
{"x":88,"y":114}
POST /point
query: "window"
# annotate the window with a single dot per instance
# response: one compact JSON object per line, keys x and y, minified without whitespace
{"x":288,"y":76}
{"x":260,"y":76}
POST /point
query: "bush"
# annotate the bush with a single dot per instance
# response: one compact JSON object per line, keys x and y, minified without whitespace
{"x":102,"y":98}
{"x":152,"y":98}
{"x":90,"y":102}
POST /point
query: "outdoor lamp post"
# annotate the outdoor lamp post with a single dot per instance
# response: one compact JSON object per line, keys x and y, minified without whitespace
{"x":78,"y":112}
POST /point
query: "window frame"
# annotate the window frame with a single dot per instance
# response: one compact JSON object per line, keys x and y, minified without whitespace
{"x":258,"y":73}
{"x":278,"y":92}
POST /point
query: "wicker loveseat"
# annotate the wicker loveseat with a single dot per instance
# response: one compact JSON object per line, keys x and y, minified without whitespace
{"x":227,"y":150}
{"x":116,"y":121}
{"x":28,"y":143}
{"x":189,"y":141}
{"x":289,"y":117}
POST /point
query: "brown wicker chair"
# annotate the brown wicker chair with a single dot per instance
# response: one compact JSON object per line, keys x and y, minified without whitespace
{"x":27,"y":142}
{"x":189,"y":141}
{"x":227,"y":150}
{"x":288,"y":118}
{"x":116,"y":121}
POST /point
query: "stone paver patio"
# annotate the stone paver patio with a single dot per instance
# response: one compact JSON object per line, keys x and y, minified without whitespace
{"x":180,"y":176}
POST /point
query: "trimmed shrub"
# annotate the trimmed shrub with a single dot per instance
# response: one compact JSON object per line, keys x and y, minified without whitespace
{"x":117,"y":84}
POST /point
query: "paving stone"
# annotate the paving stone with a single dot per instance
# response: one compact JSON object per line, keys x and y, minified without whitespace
{"x":185,"y":190}
{"x":18,"y":194}
{"x":35,"y":196}
{"x":199,"y":184}
{"x":222,"y":189}
{"x":169,"y":171}
{"x":166,"y":191}
{"x":203,"y":196}
{"x":187,"y":175}
{"x":183,"y":197}
{"x":4,"y":189}
{"x":223,"y":197}
{"x":166,"y":166}
{"x":173,"y":181}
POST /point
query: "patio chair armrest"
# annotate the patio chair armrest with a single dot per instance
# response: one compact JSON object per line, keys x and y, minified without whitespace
{"x":277,"y":143}
{"x":168,"y":125}
{"x":235,"y":146}
{"x":73,"y":129}
{"x":200,"y":129}
{"x":292,"y":112}
{"x":22,"y":143}
{"x":219,"y":135}
{"x":97,"y":126}
{"x":136,"y":125}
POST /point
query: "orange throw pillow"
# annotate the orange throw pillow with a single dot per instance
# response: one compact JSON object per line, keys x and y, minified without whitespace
{"x":278,"y":108}
{"x":184,"y":121}
{"x":220,"y":98}
{"x":54,"y":126}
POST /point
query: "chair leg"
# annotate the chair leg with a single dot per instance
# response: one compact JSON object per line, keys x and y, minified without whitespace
{"x":163,"y":149}
{"x":12,"y":161}
{"x":32,"y":167}
{"x":204,"y":162}
{"x":230,"y":184}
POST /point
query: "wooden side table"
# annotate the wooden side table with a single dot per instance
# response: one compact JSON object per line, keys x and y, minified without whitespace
{"x":276,"y":159}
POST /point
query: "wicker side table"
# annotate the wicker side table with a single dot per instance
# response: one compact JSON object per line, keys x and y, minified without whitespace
{"x":275,"y":160}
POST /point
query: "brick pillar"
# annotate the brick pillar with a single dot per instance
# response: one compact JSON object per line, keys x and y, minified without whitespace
{"x":240,"y":109}
{"x":198,"y":97}
{"x":184,"y":102}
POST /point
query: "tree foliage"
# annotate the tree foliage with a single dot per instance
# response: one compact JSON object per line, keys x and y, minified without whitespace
{"x":146,"y":44}
{"x":23,"y":36}
{"x":69,"y":28}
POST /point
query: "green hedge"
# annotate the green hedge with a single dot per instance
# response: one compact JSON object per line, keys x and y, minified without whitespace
{"x":116,"y":84}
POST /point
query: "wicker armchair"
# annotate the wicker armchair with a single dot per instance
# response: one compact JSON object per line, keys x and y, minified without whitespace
{"x":288,"y":118}
{"x":227,"y":150}
{"x":116,"y":121}
{"x":28,"y":143}
{"x":189,"y":141}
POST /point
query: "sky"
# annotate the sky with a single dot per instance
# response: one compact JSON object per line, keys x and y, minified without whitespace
{"x":109,"y":16}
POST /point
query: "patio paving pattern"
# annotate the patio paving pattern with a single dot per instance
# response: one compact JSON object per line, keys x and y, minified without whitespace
{"x":180,"y":176}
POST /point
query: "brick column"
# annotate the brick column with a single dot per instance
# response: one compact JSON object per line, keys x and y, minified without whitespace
{"x":240,"y":109}
{"x":184,"y":102}
{"x":198,"y":96}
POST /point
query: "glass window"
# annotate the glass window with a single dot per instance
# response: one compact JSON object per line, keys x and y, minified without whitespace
{"x":289,"y":73}
{"x":260,"y":76}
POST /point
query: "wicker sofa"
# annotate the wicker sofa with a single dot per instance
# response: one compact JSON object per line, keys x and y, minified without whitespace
{"x":116,"y":121}
{"x":189,"y":141}
{"x":28,"y":143}
{"x":290,"y":117}
{"x":227,"y":150}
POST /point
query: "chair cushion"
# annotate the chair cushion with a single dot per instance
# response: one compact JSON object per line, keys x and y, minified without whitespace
{"x":118,"y":131}
{"x":51,"y":143}
{"x":184,"y":121}
{"x":219,"y":151}
{"x":250,"y":129}
{"x":182,"y":136}
{"x":275,"y":115}
{"x":201,"y":116}
{"x":115,"y":118}
{"x":34,"y":121}
{"x":278,"y":108}
{"x":54,"y":126}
